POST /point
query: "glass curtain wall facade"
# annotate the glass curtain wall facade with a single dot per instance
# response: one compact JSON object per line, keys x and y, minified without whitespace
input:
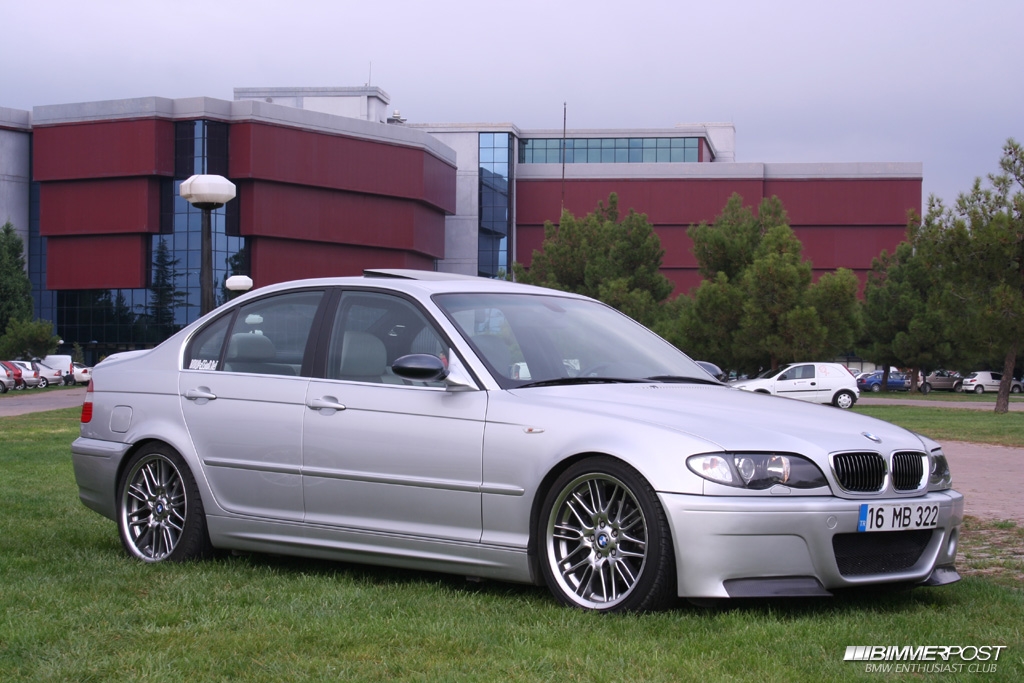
{"x":609,"y":150}
{"x":106,"y":321}
{"x":496,"y":181}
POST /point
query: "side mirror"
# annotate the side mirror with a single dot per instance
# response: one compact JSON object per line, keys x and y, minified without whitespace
{"x":423,"y":367}
{"x":420,"y":367}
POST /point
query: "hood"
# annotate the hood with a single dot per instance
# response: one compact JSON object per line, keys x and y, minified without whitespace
{"x":725,"y":418}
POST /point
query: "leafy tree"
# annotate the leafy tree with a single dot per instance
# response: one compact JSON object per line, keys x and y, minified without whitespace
{"x":603,"y":257}
{"x":15,"y":287}
{"x":979,"y":246}
{"x":28,"y":339}
{"x":757,"y":305}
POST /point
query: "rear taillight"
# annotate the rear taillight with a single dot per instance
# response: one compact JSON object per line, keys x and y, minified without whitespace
{"x":87,"y":405}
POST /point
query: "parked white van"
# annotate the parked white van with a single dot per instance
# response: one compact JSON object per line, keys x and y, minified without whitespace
{"x":813,"y":382}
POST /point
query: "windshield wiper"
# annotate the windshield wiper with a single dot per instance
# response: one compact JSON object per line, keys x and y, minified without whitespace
{"x":679,"y":379}
{"x":568,"y":381}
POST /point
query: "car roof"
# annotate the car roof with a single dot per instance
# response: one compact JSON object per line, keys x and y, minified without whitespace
{"x":417,"y":282}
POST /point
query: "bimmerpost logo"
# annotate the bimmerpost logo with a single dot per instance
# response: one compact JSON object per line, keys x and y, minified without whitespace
{"x":926,"y":658}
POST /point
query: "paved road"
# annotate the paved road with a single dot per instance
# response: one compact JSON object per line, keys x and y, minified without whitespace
{"x":990,"y":477}
{"x":35,"y":400}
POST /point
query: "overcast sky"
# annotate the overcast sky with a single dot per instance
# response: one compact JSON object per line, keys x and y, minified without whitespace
{"x":933,"y":81}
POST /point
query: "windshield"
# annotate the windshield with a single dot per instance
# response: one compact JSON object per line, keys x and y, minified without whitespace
{"x":772,"y":373}
{"x":531,"y":338}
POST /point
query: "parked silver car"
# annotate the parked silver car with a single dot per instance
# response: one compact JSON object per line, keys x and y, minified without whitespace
{"x":377,"y":419}
{"x":30,"y":374}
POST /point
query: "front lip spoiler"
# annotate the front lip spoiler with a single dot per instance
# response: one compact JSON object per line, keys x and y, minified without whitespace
{"x":810,"y":587}
{"x":941,"y":576}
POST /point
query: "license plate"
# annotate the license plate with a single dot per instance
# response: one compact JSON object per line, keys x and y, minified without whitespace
{"x":897,"y":517}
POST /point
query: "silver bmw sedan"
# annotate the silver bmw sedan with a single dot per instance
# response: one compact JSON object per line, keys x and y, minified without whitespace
{"x":495,"y":430}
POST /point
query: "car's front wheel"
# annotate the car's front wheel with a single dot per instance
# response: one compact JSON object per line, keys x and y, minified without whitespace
{"x":159,"y":512}
{"x":844,"y":399}
{"x":604,"y":539}
{"x":1014,"y":389}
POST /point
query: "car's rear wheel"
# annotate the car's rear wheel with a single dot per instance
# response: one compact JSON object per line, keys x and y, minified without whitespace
{"x":925,"y":388}
{"x":1014,"y":389}
{"x":844,"y":399}
{"x":978,"y":389}
{"x":43,"y":383}
{"x":876,"y":388}
{"x":160,"y":514}
{"x":605,"y":540}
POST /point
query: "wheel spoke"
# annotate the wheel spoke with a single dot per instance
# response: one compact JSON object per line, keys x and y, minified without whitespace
{"x":564,"y":532}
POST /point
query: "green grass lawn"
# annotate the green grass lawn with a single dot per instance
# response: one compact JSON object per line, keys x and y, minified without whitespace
{"x":950,"y":424}
{"x":74,"y":607}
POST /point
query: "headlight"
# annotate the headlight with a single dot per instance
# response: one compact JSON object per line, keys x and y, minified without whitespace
{"x":757,"y":471}
{"x":940,"y":477}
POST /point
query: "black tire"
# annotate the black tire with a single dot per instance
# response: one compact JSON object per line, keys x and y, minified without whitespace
{"x":160,"y":515}
{"x":926,"y":388}
{"x":1014,"y":389}
{"x":844,"y":399}
{"x":978,"y":389}
{"x":3,"y":388}
{"x":604,"y":540}
{"x":876,"y":388}
{"x":43,"y":383}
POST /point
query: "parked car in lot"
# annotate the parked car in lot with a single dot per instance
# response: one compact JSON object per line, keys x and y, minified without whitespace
{"x":6,"y":379}
{"x":16,"y":373}
{"x":713,"y":370}
{"x":873,"y":382}
{"x":29,"y":375}
{"x":813,"y":382}
{"x":81,"y":374}
{"x":376,"y":419}
{"x":48,"y":375}
{"x":983,"y":380}
{"x":942,"y":380}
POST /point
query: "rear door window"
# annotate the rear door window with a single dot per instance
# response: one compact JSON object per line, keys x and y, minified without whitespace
{"x":267,"y":336}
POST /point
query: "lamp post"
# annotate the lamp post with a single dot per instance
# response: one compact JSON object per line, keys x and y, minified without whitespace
{"x":237,"y":284}
{"x":206,"y":193}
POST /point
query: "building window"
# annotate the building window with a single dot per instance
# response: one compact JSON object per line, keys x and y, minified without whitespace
{"x":106,"y":321}
{"x":609,"y":150}
{"x":495,"y":200}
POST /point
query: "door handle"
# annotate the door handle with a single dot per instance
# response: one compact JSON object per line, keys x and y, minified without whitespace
{"x":814,"y":384}
{"x":325,"y":403}
{"x":200,"y":393}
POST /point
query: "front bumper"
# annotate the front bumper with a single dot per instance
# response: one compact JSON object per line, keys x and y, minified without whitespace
{"x":742,"y":547}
